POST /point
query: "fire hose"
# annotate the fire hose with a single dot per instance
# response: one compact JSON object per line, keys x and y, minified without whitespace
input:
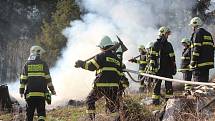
{"x":164,"y":78}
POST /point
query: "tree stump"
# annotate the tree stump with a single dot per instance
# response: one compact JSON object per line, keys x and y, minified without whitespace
{"x":5,"y":101}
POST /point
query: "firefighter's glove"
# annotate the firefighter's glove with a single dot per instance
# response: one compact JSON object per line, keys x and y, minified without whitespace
{"x":123,"y":66}
{"x":48,"y":98}
{"x":125,"y":82}
{"x":174,"y":69}
{"x":53,"y":92}
{"x":133,"y":60}
{"x":193,"y":65}
{"x":79,"y":63}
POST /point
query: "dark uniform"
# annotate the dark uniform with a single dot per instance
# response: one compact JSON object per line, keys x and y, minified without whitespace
{"x":162,"y":61}
{"x":202,"y":56}
{"x":108,"y":68}
{"x":185,"y":69}
{"x":33,"y":83}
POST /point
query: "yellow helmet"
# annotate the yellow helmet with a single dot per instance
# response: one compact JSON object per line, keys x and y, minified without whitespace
{"x":163,"y":30}
{"x":37,"y":50}
{"x":186,"y":40}
{"x":196,"y":21}
{"x":105,"y":41}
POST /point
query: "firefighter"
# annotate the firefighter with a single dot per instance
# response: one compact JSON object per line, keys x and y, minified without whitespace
{"x":106,"y":84}
{"x":202,"y":51}
{"x":142,"y":65}
{"x":185,"y":61}
{"x":149,"y":81}
{"x":124,"y":83}
{"x":124,"y":80}
{"x":148,"y":50}
{"x":162,"y":63}
{"x":34,"y":82}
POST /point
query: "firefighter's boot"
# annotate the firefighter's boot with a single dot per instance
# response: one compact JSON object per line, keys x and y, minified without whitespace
{"x":155,"y":101}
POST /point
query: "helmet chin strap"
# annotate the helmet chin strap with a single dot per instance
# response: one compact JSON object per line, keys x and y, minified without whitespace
{"x":34,"y":56}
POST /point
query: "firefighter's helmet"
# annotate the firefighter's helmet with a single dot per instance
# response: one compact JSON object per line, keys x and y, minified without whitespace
{"x":105,"y":41}
{"x":196,"y":21}
{"x":163,"y":30}
{"x":185,"y":40}
{"x":35,"y":50}
{"x":142,"y":47}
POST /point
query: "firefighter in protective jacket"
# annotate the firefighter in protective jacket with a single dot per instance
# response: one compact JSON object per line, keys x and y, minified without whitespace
{"x":202,"y":51}
{"x":185,"y":62}
{"x":142,"y":65}
{"x":106,"y":84}
{"x":34,"y":80}
{"x":124,"y":83}
{"x":162,"y":63}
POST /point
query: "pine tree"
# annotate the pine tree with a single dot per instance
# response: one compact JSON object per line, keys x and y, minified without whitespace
{"x":51,"y":37}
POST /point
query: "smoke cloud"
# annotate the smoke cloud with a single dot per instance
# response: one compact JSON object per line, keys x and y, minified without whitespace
{"x":135,"y":21}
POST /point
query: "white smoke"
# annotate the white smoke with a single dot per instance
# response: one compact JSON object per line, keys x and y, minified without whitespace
{"x":135,"y":21}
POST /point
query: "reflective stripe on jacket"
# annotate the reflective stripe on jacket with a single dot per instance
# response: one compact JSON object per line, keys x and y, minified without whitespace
{"x":202,"y":49}
{"x":185,"y":60}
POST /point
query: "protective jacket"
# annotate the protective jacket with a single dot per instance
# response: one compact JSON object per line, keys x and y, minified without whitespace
{"x":162,"y":57}
{"x":185,"y":60}
{"x":202,"y":49}
{"x":35,"y":78}
{"x":142,"y":62}
{"x":124,"y":83}
{"x":108,"y":67}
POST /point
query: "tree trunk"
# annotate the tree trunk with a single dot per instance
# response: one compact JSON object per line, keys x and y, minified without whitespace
{"x":5,"y":101}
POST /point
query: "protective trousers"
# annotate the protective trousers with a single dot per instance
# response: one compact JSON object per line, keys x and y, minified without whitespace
{"x":142,"y":83}
{"x":146,"y":84}
{"x":201,"y":75}
{"x":110,"y":94}
{"x":157,"y":89}
{"x":187,"y":75}
{"x":34,"y":103}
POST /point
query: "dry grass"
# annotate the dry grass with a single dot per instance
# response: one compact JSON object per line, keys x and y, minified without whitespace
{"x":135,"y":111}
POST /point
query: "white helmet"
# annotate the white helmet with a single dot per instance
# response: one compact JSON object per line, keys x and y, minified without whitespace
{"x":142,"y":47}
{"x":150,"y":44}
{"x":186,"y":40}
{"x":196,"y":21}
{"x":105,"y":41}
{"x":163,"y":30}
{"x":37,"y":50}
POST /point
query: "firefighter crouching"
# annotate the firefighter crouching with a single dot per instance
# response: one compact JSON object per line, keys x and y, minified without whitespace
{"x":185,"y":62}
{"x":142,"y":65}
{"x":106,"y":83}
{"x":34,"y":80}
{"x":202,"y":51}
{"x":162,"y":63}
